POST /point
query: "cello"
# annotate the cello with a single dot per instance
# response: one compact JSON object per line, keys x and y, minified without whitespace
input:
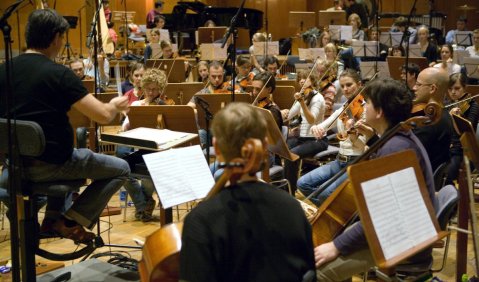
{"x":339,"y":209}
{"x":161,"y":260}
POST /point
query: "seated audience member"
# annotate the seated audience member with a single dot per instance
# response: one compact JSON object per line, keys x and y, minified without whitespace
{"x":409,"y":75}
{"x":153,"y":82}
{"x":150,"y":17}
{"x":470,"y":111}
{"x":428,"y":49}
{"x":351,"y":144}
{"x":202,"y":71}
{"x":474,"y":49}
{"x":310,"y":107}
{"x":136,"y":73}
{"x":387,"y":104}
{"x":460,"y":26}
{"x":44,"y":92}
{"x":271,"y":240}
{"x":432,"y":83}
{"x":446,"y":60}
{"x":400,"y":25}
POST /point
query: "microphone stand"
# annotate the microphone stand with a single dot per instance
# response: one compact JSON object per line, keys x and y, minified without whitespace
{"x":14,"y":179}
{"x":208,"y":116}
{"x":81,"y":36}
{"x":406,"y":36}
{"x":233,"y":31}
{"x":18,"y":24}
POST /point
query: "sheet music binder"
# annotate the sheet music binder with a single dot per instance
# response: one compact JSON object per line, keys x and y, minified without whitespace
{"x":395,"y":209}
{"x":150,"y":138}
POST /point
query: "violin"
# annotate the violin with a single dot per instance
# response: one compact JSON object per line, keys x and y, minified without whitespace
{"x":246,"y":81}
{"x":263,"y":103}
{"x":354,"y":112}
{"x":463,"y":104}
{"x":168,"y":101}
{"x":325,"y":83}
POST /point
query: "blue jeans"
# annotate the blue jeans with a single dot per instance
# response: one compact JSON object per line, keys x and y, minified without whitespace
{"x":139,"y":193}
{"x":311,"y":181}
{"x":108,"y":174}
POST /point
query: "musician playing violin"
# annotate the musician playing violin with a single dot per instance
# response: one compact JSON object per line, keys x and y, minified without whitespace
{"x":310,"y":106}
{"x":244,"y":75}
{"x":249,"y":231}
{"x":467,"y":109}
{"x":215,"y":83}
{"x":326,"y":71}
{"x":351,"y":145}
{"x":271,"y":64}
{"x":387,"y":104}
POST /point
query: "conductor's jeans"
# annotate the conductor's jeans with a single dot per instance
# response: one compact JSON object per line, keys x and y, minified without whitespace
{"x":107,"y":173}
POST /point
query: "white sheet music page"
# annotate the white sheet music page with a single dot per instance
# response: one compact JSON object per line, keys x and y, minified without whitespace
{"x":398,"y":212}
{"x":179,"y":175}
{"x":160,"y":136}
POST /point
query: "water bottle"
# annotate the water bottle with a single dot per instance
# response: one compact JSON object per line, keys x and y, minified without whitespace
{"x":122,"y":196}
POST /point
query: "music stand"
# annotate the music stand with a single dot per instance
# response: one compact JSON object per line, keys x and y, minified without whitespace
{"x":213,"y":52}
{"x":390,"y":39}
{"x":395,"y":64}
{"x":341,"y":32}
{"x":173,"y":68}
{"x":327,"y":18}
{"x":303,"y":20}
{"x":391,"y":188}
{"x":472,"y":67}
{"x":218,"y":101}
{"x":311,"y":53}
{"x":182,"y":93}
{"x":123,"y":17}
{"x":368,"y":69}
{"x":283,"y":96}
{"x":459,"y":56}
{"x":415,"y":50}
{"x":365,"y":48}
{"x":464,"y":38}
{"x":210,"y":34}
{"x":259,"y":48}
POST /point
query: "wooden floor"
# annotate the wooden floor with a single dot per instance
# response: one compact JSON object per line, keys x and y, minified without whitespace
{"x":115,"y":231}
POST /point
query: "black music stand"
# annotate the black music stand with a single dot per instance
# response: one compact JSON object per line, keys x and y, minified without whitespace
{"x":173,"y":68}
{"x":72,"y":21}
{"x":472,"y":67}
{"x":302,"y":20}
{"x":464,"y":38}
{"x":391,"y":38}
{"x":327,"y":18}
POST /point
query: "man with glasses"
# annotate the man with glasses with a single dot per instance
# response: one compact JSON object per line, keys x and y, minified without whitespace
{"x":432,"y":83}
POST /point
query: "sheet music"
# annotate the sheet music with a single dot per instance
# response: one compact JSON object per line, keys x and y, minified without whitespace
{"x":164,"y":35}
{"x":213,"y":52}
{"x":341,"y":32}
{"x":398,"y":212}
{"x":464,"y":38}
{"x":472,"y":66}
{"x":459,"y":56}
{"x":179,"y":175}
{"x":259,"y":48}
{"x":311,"y":53}
{"x":159,"y":136}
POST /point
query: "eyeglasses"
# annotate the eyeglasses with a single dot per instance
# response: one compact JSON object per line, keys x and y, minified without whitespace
{"x":418,"y":85}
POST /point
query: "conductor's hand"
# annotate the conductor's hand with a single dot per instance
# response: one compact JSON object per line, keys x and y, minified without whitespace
{"x":120,"y":103}
{"x":318,"y":131}
{"x":325,"y":253}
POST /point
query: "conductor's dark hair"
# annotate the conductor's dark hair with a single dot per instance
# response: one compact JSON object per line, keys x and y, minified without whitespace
{"x":392,"y":97}
{"x":42,"y":27}
{"x":264,"y":76}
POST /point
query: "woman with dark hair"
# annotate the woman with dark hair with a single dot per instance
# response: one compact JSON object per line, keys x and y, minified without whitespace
{"x":468,"y":110}
{"x":446,"y":63}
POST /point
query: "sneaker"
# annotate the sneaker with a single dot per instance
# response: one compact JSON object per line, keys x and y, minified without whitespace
{"x":150,"y":206}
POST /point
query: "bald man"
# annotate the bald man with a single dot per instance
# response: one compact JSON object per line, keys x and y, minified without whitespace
{"x":432,"y":84}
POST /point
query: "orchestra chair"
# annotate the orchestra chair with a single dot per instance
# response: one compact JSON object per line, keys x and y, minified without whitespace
{"x":31,"y":144}
{"x":440,"y":175}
